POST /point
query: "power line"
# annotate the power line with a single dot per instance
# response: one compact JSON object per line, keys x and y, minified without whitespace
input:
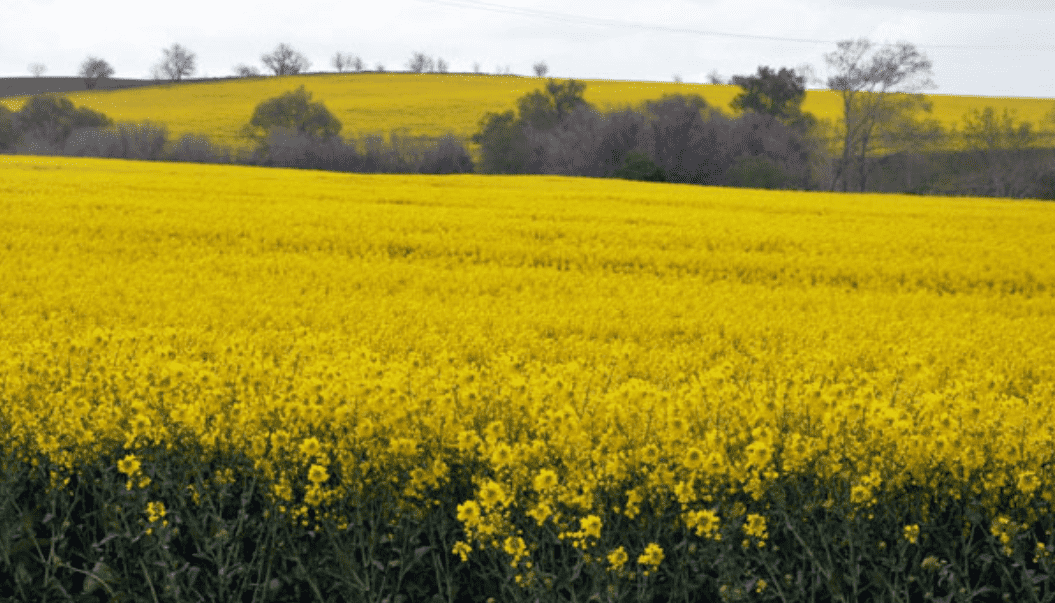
{"x":584,"y":20}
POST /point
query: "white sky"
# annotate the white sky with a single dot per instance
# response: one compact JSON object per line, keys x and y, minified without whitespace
{"x":978,"y":47}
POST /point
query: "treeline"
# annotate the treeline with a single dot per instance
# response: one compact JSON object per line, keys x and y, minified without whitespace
{"x":769,"y":143}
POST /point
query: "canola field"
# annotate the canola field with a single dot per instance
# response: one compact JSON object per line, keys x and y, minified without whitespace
{"x":433,"y":105}
{"x":582,"y":349}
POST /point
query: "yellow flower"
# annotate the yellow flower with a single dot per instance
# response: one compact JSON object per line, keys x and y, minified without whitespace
{"x":756,"y":526}
{"x":653,"y":555}
{"x":591,"y":526}
{"x":310,"y":447}
{"x":462,"y":550}
{"x":469,"y":513}
{"x":912,"y":533}
{"x":128,"y":465}
{"x":617,"y":558}
{"x":492,"y":494}
{"x":693,"y":459}
{"x":155,"y":511}
{"x":545,"y":481}
{"x":317,"y":474}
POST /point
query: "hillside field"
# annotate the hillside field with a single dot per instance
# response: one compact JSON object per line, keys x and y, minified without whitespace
{"x":435,"y":104}
{"x":629,"y":364}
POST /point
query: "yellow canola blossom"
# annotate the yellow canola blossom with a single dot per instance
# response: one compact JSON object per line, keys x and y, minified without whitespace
{"x":582,"y":351}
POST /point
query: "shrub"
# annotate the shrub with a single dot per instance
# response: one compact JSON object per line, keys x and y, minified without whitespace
{"x":756,"y":171}
{"x":295,"y":111}
{"x":9,"y":134}
{"x":51,"y":119}
{"x":688,"y":147}
{"x":143,"y":141}
{"x":447,"y":156}
{"x":639,"y":166}
{"x":503,"y":144}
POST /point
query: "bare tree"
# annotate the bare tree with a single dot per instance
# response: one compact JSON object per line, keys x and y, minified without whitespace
{"x":93,"y":69}
{"x":420,"y":63}
{"x":868,"y":87}
{"x":677,"y":79}
{"x":442,"y":66}
{"x":714,"y":77}
{"x":246,"y":71}
{"x":358,"y":65}
{"x":37,"y":69}
{"x":285,"y":61}
{"x":541,"y":69}
{"x":341,"y":62}
{"x":476,"y":67}
{"x":380,"y":68}
{"x":178,"y":63}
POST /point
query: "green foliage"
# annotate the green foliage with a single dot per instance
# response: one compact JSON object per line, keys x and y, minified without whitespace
{"x":296,"y":111}
{"x":9,"y":134}
{"x":543,"y":110}
{"x":756,"y":171}
{"x":503,"y":145}
{"x":779,"y":94}
{"x":639,"y":166}
{"x":52,"y":118}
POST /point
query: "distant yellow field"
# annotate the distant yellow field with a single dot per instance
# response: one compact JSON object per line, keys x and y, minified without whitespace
{"x":434,"y":104}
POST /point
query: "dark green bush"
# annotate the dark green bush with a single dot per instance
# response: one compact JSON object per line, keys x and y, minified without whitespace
{"x":639,"y":166}
{"x":51,"y":119}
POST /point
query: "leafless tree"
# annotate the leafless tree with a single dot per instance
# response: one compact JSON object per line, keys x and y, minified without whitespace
{"x":285,"y":61}
{"x":93,"y":69}
{"x":714,"y":77}
{"x":341,"y":62}
{"x":177,"y":64}
{"x":541,"y":69}
{"x":246,"y":71}
{"x":442,"y":66}
{"x":868,"y":83}
{"x":476,"y":67}
{"x":421,"y":63}
{"x":380,"y":68}
{"x":677,"y":78}
{"x":37,"y":69}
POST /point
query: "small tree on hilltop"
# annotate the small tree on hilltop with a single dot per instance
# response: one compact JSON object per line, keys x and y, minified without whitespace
{"x":177,"y":64}
{"x":37,"y":69}
{"x":341,"y":62}
{"x":442,"y":66}
{"x":93,"y":69}
{"x":285,"y":61}
{"x":541,"y":69}
{"x":246,"y":71}
{"x":420,"y":63}
{"x":779,"y":94}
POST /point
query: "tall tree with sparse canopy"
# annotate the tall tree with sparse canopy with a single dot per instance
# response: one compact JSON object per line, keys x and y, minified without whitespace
{"x":94,"y":69}
{"x":285,"y":61}
{"x":177,"y":63}
{"x":867,"y":82}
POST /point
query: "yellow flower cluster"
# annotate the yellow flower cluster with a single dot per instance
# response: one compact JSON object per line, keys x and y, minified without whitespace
{"x":585,"y":351}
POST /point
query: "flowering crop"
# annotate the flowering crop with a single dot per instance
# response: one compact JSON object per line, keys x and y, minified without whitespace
{"x":590,"y":354}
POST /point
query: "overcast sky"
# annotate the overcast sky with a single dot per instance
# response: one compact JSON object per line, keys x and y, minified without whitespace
{"x":978,"y":47}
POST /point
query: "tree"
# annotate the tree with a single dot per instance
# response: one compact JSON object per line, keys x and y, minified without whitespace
{"x":541,"y":69}
{"x":476,"y":67}
{"x":545,"y":109}
{"x":93,"y":69}
{"x":296,"y":111}
{"x":867,"y":87}
{"x":638,"y":165}
{"x":358,"y":65}
{"x":442,"y":66}
{"x":777,"y":94}
{"x":285,"y":61}
{"x":380,"y":68}
{"x":37,"y":69}
{"x":341,"y":62}
{"x":51,"y":119}
{"x":246,"y":71}
{"x":715,"y":78}
{"x":677,"y":79}
{"x":503,"y":145}
{"x":177,"y":64}
{"x":420,"y":63}
{"x":1005,"y":150}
